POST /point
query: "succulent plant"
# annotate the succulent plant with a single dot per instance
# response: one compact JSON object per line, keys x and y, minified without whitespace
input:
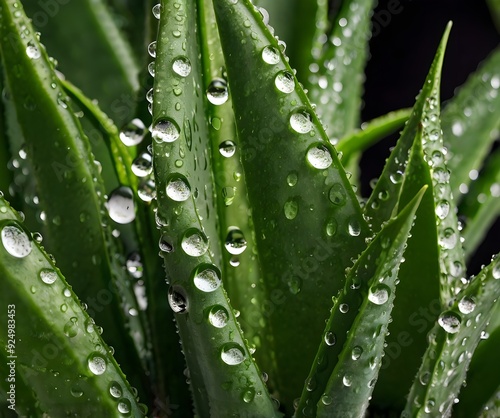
{"x":233,"y":224}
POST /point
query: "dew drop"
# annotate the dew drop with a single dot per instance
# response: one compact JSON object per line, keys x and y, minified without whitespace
{"x":301,"y":122}
{"x":356,"y":353}
{"x":121,"y":206}
{"x":182,"y":66}
{"x":71,"y":327}
{"x":96,"y":363}
{"x":218,"y":316}
{"x":32,"y":51}
{"x":194,"y":243}
{"x":450,"y":322}
{"x":217,"y":92}
{"x":495,"y":272}
{"x":143,"y":165}
{"x":396,"y":177}
{"x":330,"y":338}
{"x":347,"y":381}
{"x":235,"y":242}
{"x":248,"y":395}
{"x":227,"y":148}
{"x":331,"y":227}
{"x":354,"y":228}
{"x":344,"y":308}
{"x":284,"y":82}
{"x":448,"y":239}
{"x":178,"y":188}
{"x":165,"y":245}
{"x":442,"y":209}
{"x":207,"y":278}
{"x":232,"y":354}
{"x":16,"y":241}
{"x":177,"y":299}
{"x":291,"y":208}
{"x":319,"y":157}
{"x":133,"y":133}
{"x":115,"y":390}
{"x":147,"y":190}
{"x":152,"y":49}
{"x":270,"y":55}
{"x":157,"y":10}
{"x":48,"y":276}
{"x":326,"y":400}
{"x":466,"y":305}
{"x":337,"y":195}
{"x":294,"y":284}
{"x":379,"y":294}
{"x":165,"y":130}
{"x":292,"y":179}
{"x":124,"y":406}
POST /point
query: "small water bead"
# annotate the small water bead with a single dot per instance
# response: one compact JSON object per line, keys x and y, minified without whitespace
{"x":347,"y":381}
{"x":270,"y":55}
{"x":165,"y":245}
{"x":450,"y":322}
{"x":356,"y":353}
{"x":15,"y":241}
{"x":48,"y":276}
{"x":331,"y":227}
{"x":396,"y":177}
{"x":326,"y":400}
{"x":442,"y":209}
{"x":115,"y":390}
{"x":121,"y":207}
{"x":194,"y":243}
{"x":227,"y":149}
{"x":448,"y":239}
{"x":354,"y":228}
{"x":217,"y":92}
{"x":301,"y":121}
{"x":218,"y":316}
{"x":181,"y":66}
{"x":147,"y":190}
{"x":165,"y":130}
{"x":152,"y":68}
{"x":466,"y":305}
{"x":291,"y":208}
{"x":337,"y":195}
{"x":207,"y":278}
{"x":284,"y":82}
{"x":344,"y":308}
{"x":133,"y":133}
{"x":32,"y":51}
{"x":379,"y":294}
{"x":143,"y":165}
{"x":124,"y":406}
{"x":96,"y":363}
{"x":149,"y":95}
{"x":235,"y":243}
{"x":292,"y":178}
{"x":319,"y":157}
{"x":71,"y":327}
{"x":232,"y":354}
{"x":294,"y":284}
{"x":157,"y":11}
{"x":177,"y":299}
{"x":330,"y":338}
{"x":178,"y":188}
{"x":152,"y":49}
{"x":441,"y":175}
{"x":495,"y":272}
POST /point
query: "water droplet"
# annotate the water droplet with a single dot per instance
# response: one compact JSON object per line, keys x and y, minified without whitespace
{"x":16,"y":241}
{"x":379,"y":294}
{"x":152,"y":68}
{"x":448,"y":239}
{"x":291,"y":208}
{"x":48,"y":276}
{"x":356,"y":353}
{"x":96,"y":363}
{"x":218,"y":316}
{"x":165,"y":130}
{"x":115,"y":390}
{"x":249,"y":395}
{"x":32,"y":51}
{"x":133,"y":133}
{"x":152,"y":49}
{"x":177,"y":299}
{"x":194,"y":243}
{"x":143,"y":165}
{"x":330,"y":338}
{"x":301,"y":121}
{"x":466,"y":305}
{"x":442,"y":209}
{"x":326,"y":400}
{"x":182,"y":66}
{"x":354,"y":228}
{"x":495,"y":272}
{"x":232,"y":354}
{"x":396,"y":177}
{"x":124,"y":406}
{"x":270,"y":55}
{"x":319,"y":157}
{"x":344,"y":308}
{"x":121,"y":206}
{"x":217,"y":92}
{"x":450,"y":322}
{"x":331,"y":227}
{"x":71,"y":327}
{"x":76,"y":391}
{"x":235,"y":242}
{"x":337,"y":195}
{"x":157,"y":10}
{"x":284,"y":82}
{"x":347,"y":381}
{"x":178,"y":188}
{"x":292,"y":179}
{"x":147,"y":190}
{"x":207,"y":278}
{"x":165,"y":244}
{"x":227,"y":148}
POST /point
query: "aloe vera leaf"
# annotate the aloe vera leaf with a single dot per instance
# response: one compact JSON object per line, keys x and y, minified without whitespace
{"x":5,"y":173}
{"x":481,"y":206}
{"x":452,"y":342}
{"x":307,"y":216}
{"x":336,"y":86}
{"x":351,"y":350}
{"x":482,"y":378}
{"x":494,"y":6}
{"x":241,"y":268}
{"x":92,"y":37}
{"x":370,"y":133}
{"x":57,"y":149}
{"x":223,"y":375}
{"x":470,"y":123}
{"x":58,"y":347}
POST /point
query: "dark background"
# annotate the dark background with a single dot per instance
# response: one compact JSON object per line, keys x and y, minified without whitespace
{"x":401,"y":53}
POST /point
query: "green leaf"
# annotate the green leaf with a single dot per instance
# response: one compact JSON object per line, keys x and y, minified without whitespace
{"x":5,"y":174}
{"x":349,"y":357}
{"x":481,"y":206}
{"x":370,"y":133}
{"x":452,"y":342}
{"x":470,"y":123}
{"x":336,"y":84}
{"x":63,"y":166}
{"x":494,"y":6}
{"x":50,"y":341}
{"x":223,"y":375}
{"x":307,"y":216}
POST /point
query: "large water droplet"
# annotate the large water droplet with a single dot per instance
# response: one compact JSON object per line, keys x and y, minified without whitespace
{"x":157,"y":10}
{"x":354,"y":228}
{"x":96,"y":363}
{"x":133,"y":133}
{"x":448,"y":239}
{"x":194,"y":243}
{"x":379,"y":294}
{"x":147,"y":190}
{"x":330,"y":338}
{"x":207,"y":278}
{"x":466,"y":305}
{"x":270,"y":55}
{"x":319,"y":157}
{"x":115,"y":390}
{"x":143,"y":165}
{"x":227,"y":148}
{"x":48,"y":276}
{"x":16,"y":241}
{"x":178,"y":188}
{"x":182,"y":66}
{"x":32,"y":51}
{"x":235,"y":242}
{"x":124,"y":406}
{"x":121,"y":206}
{"x":217,"y":92}
{"x":284,"y":82}
{"x":450,"y":322}
{"x":301,"y":121}
{"x":165,"y":130}
{"x":232,"y":354}
{"x":218,"y":316}
{"x":442,"y":209}
{"x":177,"y":299}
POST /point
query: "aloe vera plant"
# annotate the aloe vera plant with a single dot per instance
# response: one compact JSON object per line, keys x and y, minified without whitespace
{"x":195,"y":242}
